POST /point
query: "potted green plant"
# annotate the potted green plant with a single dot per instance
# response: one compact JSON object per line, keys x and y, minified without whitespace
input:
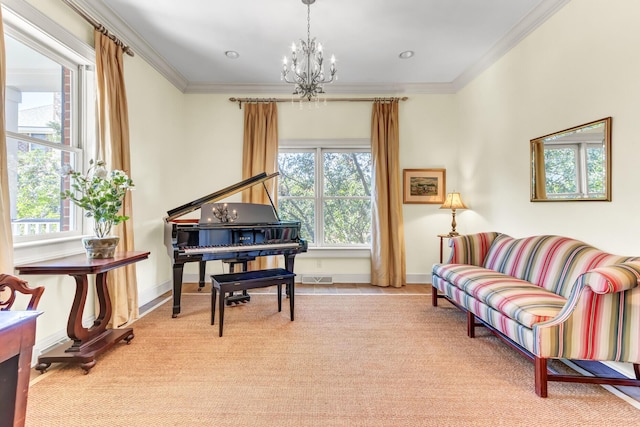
{"x":100,"y":193}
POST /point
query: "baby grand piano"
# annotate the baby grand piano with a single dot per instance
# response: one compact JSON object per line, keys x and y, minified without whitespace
{"x":256,"y":231}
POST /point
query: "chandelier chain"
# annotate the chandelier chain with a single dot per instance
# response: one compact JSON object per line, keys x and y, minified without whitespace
{"x":308,"y":22}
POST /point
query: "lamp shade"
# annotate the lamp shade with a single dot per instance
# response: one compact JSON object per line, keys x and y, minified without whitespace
{"x":453,"y":201}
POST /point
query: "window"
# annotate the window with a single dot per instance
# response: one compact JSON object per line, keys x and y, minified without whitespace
{"x":327,"y":189}
{"x":46,"y":117}
{"x":575,"y":170}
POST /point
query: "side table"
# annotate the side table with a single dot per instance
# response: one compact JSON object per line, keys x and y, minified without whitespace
{"x":442,"y":237}
{"x":87,"y":342}
{"x":434,"y":291}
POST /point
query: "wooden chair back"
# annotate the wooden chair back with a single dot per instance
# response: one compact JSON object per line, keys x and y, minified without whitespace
{"x":11,"y":285}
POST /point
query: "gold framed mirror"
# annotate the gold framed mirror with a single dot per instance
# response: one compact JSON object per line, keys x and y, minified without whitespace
{"x":573,"y":164}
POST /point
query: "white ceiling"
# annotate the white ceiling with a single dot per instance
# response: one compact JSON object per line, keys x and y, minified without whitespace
{"x":453,"y":40}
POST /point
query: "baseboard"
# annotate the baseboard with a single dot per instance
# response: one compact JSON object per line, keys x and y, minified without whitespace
{"x":194,"y":278}
{"x":419,"y":278}
{"x":625,"y":369}
{"x":150,"y":294}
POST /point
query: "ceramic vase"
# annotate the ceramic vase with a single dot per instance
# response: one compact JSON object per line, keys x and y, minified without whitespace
{"x":100,"y":247}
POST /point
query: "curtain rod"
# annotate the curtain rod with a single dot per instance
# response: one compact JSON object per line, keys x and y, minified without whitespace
{"x":241,"y":100}
{"x":98,"y":26}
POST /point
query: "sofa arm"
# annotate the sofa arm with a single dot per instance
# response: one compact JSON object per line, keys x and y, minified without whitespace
{"x":612,"y":278}
{"x":471,"y":249}
{"x":599,"y":320}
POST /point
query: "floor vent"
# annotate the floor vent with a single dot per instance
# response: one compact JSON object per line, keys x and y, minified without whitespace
{"x":317,"y":280}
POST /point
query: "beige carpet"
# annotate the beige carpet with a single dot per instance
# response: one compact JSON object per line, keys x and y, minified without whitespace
{"x":347,"y":360}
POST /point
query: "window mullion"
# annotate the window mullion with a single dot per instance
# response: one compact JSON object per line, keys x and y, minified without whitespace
{"x":42,"y":142}
{"x":319,"y":198}
{"x":583,"y":188}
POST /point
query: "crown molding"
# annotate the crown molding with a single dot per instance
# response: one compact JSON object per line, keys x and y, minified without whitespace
{"x":519,"y":32}
{"x":522,"y":29}
{"x":376,"y":88}
{"x":113,"y":23}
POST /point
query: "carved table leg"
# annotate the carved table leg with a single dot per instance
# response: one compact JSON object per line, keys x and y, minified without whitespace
{"x":87,"y":366}
{"x":42,"y":367}
{"x":75,"y":330}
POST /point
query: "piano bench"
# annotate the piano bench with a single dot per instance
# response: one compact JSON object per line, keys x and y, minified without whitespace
{"x":224,"y":283}
{"x":233,"y":262}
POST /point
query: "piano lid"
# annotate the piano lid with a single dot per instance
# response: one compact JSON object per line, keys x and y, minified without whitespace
{"x":214,"y":197}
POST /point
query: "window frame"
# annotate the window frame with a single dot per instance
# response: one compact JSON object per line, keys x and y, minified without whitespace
{"x":31,"y":27}
{"x":319,"y":147}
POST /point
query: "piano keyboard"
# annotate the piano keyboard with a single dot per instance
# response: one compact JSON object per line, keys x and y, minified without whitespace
{"x":237,"y":248}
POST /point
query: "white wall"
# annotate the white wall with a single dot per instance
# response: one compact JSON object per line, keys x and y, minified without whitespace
{"x":577,"y":67}
{"x":160,"y":167}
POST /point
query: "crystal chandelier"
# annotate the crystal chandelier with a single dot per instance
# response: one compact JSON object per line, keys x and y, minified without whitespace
{"x":305,"y":69}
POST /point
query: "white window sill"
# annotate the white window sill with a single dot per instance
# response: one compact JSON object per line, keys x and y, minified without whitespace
{"x":41,"y":250}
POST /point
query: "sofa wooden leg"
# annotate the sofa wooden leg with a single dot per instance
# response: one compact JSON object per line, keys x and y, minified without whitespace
{"x":471,"y":325}
{"x":636,"y":370}
{"x":541,"y":375}
{"x":434,"y":296}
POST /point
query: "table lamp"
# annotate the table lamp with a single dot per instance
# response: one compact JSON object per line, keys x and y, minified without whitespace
{"x":453,"y":202}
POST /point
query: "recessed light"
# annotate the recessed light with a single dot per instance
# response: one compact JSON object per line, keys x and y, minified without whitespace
{"x":406,"y":54}
{"x":232,"y":54}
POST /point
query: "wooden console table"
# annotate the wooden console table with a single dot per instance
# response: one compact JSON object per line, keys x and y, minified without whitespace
{"x":18,"y":335}
{"x":87,"y":342}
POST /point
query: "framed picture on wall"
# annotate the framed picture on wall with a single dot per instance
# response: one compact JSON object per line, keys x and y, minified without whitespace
{"x":424,"y":185}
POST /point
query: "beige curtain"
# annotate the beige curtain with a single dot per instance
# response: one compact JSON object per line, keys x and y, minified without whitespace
{"x":387,"y":246}
{"x":260,"y":154}
{"x":6,"y":236}
{"x":113,"y":147}
{"x":541,"y":175}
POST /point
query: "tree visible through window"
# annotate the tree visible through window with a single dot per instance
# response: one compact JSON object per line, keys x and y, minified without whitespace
{"x":329,"y":192}
{"x":575,"y":170}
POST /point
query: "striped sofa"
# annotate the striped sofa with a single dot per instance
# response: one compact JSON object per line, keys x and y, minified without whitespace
{"x":550,"y":297}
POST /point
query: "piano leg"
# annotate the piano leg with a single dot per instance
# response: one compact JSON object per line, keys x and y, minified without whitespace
{"x":288,"y":265}
{"x":203,"y":269}
{"x":288,"y":262}
{"x":178,"y":269}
